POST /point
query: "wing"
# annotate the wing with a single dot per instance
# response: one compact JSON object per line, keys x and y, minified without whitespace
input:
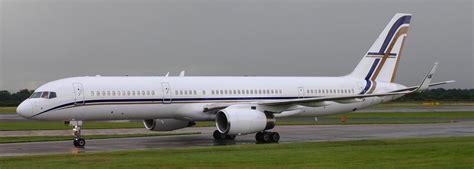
{"x":319,"y":101}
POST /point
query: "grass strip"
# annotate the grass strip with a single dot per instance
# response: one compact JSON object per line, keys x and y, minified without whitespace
{"x":7,"y":110}
{"x":432,"y":153}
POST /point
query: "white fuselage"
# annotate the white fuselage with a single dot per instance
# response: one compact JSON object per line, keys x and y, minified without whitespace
{"x":116,"y":98}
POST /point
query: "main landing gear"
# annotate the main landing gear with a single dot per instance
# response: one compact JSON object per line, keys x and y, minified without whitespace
{"x":76,"y":132}
{"x":220,"y":136}
{"x":261,"y":137}
{"x":267,"y":137}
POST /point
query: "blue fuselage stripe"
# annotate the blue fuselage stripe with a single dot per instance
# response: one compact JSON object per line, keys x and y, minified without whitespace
{"x":160,"y":100}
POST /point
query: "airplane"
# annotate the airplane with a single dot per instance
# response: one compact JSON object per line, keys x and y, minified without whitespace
{"x":238,"y":105}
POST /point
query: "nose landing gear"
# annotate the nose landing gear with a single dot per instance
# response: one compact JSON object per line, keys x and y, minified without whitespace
{"x":76,"y":132}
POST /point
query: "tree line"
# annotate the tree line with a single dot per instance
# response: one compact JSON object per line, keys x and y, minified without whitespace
{"x":8,"y":99}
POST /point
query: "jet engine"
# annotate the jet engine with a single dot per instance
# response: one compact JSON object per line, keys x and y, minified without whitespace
{"x":166,"y":124}
{"x":243,"y":120}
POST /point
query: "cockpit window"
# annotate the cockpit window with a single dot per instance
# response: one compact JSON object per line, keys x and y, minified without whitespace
{"x":35,"y":95}
{"x":52,"y":95}
{"x":46,"y":95}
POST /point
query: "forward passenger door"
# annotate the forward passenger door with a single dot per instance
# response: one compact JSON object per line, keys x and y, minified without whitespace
{"x":78,"y":94}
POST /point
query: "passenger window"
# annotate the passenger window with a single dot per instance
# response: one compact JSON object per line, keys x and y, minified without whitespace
{"x":203,"y":92}
{"x":143,"y":93}
{"x":133,"y":93}
{"x":148,"y":92}
{"x":113,"y":93}
{"x":92,"y":93}
{"x":97,"y":93}
{"x":53,"y":95}
{"x":152,"y":92}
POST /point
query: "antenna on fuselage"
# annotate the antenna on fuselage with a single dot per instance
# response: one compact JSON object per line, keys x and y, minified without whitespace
{"x":167,"y":74}
{"x":181,"y":74}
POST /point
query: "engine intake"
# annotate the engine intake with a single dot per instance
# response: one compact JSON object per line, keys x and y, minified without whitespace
{"x":166,"y":124}
{"x":241,"y":120}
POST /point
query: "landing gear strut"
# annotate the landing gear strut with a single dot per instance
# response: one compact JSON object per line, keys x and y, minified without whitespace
{"x":267,"y":137}
{"x":76,"y":132}
{"x":220,"y":136}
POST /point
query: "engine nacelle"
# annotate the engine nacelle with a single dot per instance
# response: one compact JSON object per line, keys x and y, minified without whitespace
{"x":166,"y":124}
{"x":243,"y":120}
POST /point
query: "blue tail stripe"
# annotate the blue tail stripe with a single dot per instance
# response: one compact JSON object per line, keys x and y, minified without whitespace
{"x":372,"y":69}
{"x":367,"y":78}
{"x":395,"y":26}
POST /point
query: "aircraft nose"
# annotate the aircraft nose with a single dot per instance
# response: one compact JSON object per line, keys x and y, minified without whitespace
{"x":25,"y":109}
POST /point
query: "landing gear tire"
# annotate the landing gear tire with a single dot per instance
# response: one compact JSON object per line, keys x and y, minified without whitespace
{"x":275,"y":137}
{"x":267,"y":137}
{"x":220,"y":136}
{"x":79,"y":143}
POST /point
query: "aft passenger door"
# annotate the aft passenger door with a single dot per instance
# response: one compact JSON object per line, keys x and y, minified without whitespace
{"x":78,"y":94}
{"x":165,"y":86}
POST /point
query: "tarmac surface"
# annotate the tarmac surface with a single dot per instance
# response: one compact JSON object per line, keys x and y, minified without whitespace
{"x":304,"y":133}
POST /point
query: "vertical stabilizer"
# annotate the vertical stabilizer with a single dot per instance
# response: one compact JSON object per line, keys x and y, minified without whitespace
{"x":381,"y":61}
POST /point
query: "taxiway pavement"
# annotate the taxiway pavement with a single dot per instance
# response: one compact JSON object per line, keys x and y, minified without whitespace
{"x":301,"y":133}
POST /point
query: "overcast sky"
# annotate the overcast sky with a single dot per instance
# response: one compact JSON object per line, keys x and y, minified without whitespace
{"x":44,"y":40}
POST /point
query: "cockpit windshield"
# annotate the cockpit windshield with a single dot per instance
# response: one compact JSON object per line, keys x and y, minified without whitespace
{"x":46,"y":95}
{"x":35,"y":95}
